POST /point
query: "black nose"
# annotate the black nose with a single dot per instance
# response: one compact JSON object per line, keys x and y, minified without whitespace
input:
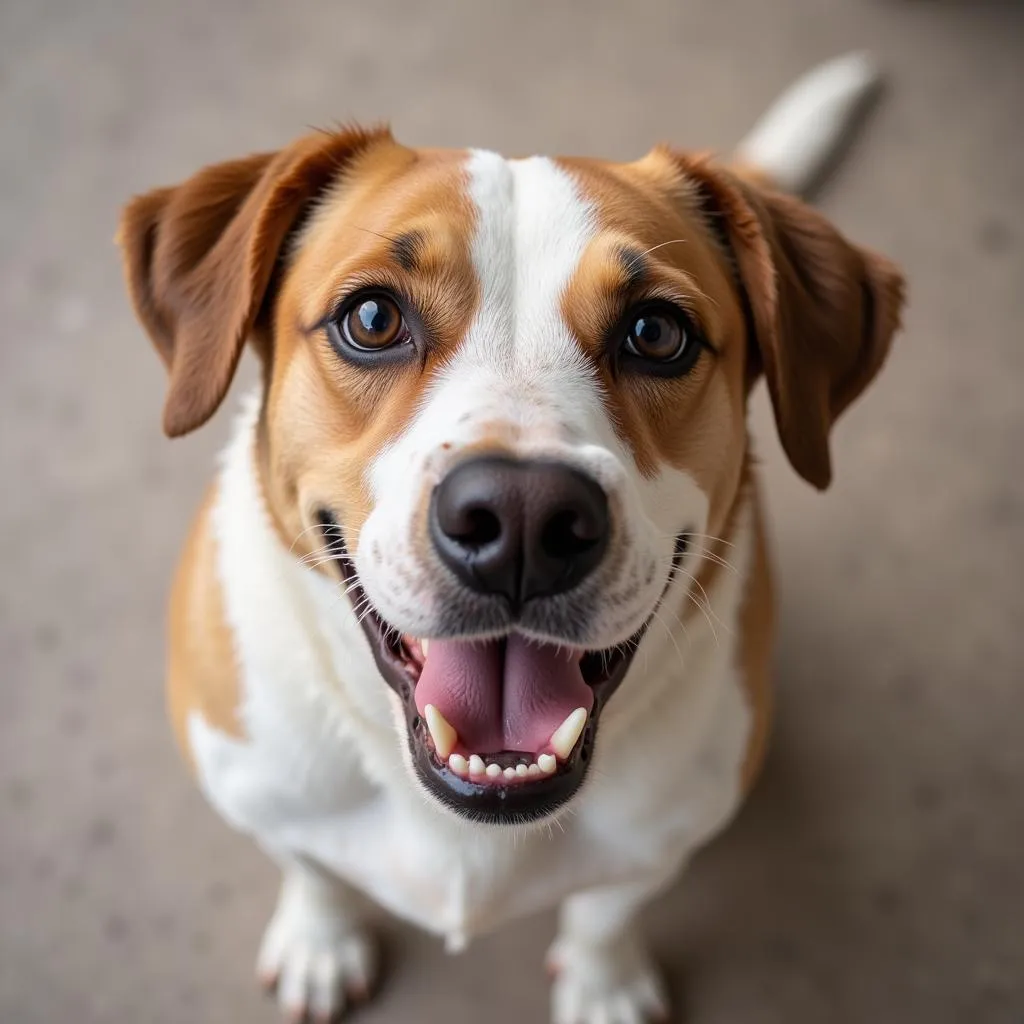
{"x":519,"y":529}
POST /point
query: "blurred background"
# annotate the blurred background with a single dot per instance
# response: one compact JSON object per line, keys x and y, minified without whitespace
{"x":878,"y":872}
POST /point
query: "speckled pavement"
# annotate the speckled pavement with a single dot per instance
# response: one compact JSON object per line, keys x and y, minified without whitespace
{"x":877,"y":874}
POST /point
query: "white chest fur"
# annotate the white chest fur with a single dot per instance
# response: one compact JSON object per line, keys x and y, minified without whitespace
{"x":320,"y":772}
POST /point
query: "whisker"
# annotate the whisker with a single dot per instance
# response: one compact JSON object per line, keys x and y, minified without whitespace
{"x":380,"y":234}
{"x":324,"y":554}
{"x":706,"y":608}
{"x":694,"y":534}
{"x":348,"y":588}
{"x":672,"y":636}
{"x":314,"y":560}
{"x":710,"y":556}
{"x":332,"y":549}
{"x":661,"y":245}
{"x":301,"y":534}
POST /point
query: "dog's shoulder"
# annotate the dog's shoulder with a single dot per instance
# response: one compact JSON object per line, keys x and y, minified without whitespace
{"x":756,"y":644}
{"x":202,"y":670}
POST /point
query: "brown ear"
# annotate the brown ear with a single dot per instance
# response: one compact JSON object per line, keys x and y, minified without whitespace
{"x":199,"y":259}
{"x":823,"y":310}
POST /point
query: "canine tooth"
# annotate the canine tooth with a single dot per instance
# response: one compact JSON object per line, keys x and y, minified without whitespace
{"x":458,"y":764}
{"x":510,"y":773}
{"x":444,"y":735}
{"x":522,"y":771}
{"x":424,"y":644}
{"x":533,"y":771}
{"x":565,"y":736}
{"x":547,"y":763}
{"x":493,"y":771}
{"x":476,"y":765}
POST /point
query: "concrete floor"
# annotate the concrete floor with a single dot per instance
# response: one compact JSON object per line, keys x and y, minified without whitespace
{"x":877,"y":875}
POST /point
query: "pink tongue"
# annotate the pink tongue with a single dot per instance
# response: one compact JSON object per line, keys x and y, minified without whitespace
{"x":502,"y":694}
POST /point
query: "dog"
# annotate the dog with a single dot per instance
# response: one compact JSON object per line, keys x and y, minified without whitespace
{"x":476,"y":618}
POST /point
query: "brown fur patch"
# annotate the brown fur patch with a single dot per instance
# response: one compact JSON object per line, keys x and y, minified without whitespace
{"x":694,"y":422}
{"x":757,"y":635}
{"x":202,"y":674}
{"x":199,"y":259}
{"x":824,"y":311}
{"x":327,"y":419}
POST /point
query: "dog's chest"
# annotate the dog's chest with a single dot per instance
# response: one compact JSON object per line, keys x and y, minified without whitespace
{"x":304,"y":785}
{"x":440,"y":874}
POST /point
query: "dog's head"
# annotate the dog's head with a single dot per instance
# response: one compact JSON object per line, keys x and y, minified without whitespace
{"x":509,"y":397}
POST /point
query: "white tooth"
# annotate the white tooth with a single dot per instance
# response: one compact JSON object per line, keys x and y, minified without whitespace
{"x":510,"y":773}
{"x":565,"y":736}
{"x":424,"y":644}
{"x":547,"y":763}
{"x":444,"y":735}
{"x":476,"y":765}
{"x":493,"y":771}
{"x":533,"y":771}
{"x":458,"y":764}
{"x":522,"y":771}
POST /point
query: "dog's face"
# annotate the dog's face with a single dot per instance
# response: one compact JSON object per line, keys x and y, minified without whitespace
{"x":508,"y":398}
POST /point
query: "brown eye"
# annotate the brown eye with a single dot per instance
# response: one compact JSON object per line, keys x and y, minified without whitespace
{"x":656,"y":336}
{"x":374,"y":323}
{"x":661,"y":340}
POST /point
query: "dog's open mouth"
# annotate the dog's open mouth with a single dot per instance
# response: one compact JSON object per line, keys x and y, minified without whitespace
{"x":500,"y":730}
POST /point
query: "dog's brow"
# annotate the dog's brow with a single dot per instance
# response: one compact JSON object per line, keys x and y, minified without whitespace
{"x":406,"y":249}
{"x":634,"y":266}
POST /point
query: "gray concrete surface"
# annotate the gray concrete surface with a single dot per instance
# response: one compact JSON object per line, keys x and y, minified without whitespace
{"x":877,"y":875}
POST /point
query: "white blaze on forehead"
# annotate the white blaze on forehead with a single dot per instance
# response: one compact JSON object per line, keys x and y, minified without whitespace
{"x":532,"y":229}
{"x":519,"y":364}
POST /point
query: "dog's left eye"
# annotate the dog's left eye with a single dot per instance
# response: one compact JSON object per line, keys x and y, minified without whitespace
{"x":373,"y":323}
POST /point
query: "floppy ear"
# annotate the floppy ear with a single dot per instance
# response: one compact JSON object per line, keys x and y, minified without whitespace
{"x":199,"y":259}
{"x":823,"y":311}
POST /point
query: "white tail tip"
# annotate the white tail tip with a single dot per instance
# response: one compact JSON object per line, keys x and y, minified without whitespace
{"x":799,"y":134}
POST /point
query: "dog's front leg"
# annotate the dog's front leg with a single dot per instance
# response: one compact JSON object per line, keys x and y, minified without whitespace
{"x":316,"y":950}
{"x":603,"y":972}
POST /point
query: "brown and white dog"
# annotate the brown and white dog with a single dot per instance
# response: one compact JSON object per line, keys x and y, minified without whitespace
{"x":485,"y":552}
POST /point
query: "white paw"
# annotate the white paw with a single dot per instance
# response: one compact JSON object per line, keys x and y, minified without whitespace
{"x":606,"y":985}
{"x":320,"y":962}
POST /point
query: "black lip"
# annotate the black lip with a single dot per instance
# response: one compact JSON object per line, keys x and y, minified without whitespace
{"x":492,"y":802}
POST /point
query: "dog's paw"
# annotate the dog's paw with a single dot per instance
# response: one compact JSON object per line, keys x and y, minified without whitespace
{"x":606,"y":985}
{"x":318,"y":962}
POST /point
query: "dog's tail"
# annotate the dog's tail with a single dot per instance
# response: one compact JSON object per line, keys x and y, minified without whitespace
{"x":799,"y":138}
